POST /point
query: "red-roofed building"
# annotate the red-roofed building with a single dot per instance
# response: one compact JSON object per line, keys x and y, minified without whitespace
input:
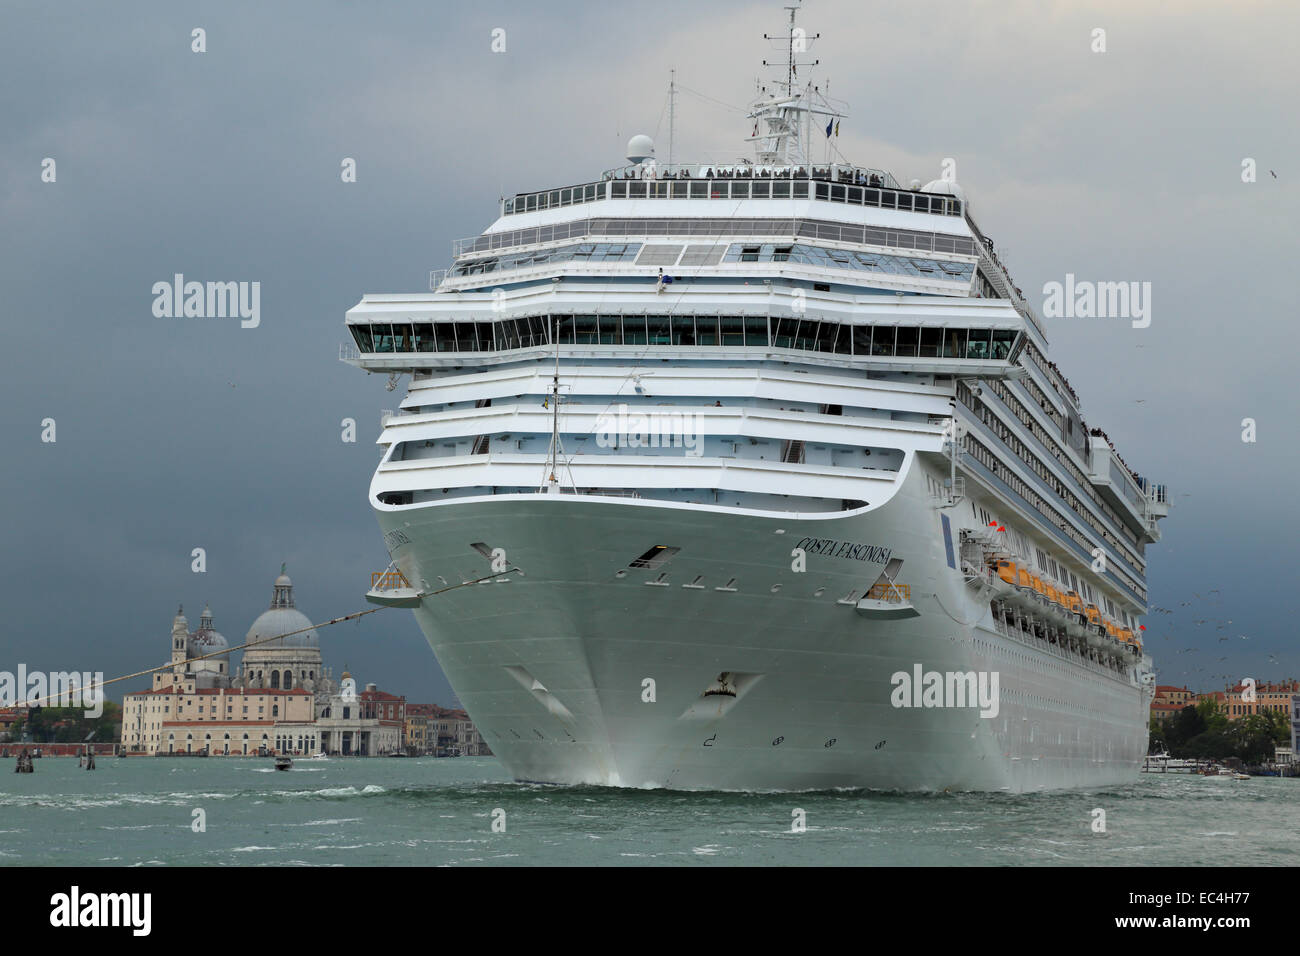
{"x":1162,"y":712}
{"x":1169,"y":694}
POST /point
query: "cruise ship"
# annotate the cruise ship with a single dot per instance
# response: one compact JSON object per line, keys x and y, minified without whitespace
{"x":757,"y":476}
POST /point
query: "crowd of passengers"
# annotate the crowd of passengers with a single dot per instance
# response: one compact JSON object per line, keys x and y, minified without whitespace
{"x":830,"y":173}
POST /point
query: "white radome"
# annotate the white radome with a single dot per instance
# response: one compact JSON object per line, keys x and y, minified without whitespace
{"x":640,"y":148}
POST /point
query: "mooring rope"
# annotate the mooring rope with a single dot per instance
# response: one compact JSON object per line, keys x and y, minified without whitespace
{"x":355,"y":616}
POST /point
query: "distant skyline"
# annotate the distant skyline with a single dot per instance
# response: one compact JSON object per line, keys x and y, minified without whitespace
{"x":225,"y":166}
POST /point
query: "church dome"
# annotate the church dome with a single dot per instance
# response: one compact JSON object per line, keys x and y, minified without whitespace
{"x":207,"y":639}
{"x":283,"y":618}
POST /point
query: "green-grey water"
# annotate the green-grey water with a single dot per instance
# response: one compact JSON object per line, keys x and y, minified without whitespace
{"x":343,"y":812}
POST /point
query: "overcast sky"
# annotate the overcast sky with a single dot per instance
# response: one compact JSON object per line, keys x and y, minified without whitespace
{"x":174,"y":434}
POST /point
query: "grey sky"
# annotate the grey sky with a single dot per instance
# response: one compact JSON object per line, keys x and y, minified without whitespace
{"x":183,"y":433}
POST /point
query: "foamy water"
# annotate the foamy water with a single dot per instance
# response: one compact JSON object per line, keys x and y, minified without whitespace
{"x":141,"y":812}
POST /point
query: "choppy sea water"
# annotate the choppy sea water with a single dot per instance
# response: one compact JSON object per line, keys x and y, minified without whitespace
{"x":344,"y":812}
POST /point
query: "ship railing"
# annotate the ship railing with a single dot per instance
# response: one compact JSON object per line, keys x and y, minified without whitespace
{"x":348,"y":352}
{"x":602,"y":492}
{"x":436,"y":277}
{"x":388,"y":580}
{"x":891,"y":593}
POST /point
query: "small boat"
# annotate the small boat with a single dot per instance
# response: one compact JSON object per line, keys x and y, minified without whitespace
{"x":320,"y":755}
{"x":1241,"y":776}
{"x":283,"y":763}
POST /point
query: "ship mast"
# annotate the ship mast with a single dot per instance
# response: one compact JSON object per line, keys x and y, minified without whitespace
{"x":551,"y":484}
{"x":783,"y":114}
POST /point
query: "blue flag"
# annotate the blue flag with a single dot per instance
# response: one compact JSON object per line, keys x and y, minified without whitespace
{"x":830,"y":126}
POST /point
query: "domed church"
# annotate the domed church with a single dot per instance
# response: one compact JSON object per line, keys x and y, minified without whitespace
{"x":291,"y":659}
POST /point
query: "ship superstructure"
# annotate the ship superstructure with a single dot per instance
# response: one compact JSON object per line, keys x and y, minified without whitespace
{"x":750,"y":441}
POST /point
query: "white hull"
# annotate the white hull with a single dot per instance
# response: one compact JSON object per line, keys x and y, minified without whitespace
{"x":551,"y":665}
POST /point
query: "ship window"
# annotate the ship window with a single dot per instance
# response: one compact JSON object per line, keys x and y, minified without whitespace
{"x":821,"y":287}
{"x":826,"y":336}
{"x":904,"y":201}
{"x":799,"y":190}
{"x":978,"y":345}
{"x":782,"y":253}
{"x":733,"y":330}
{"x":740,"y":189}
{"x":585,"y":329}
{"x":783,"y":337}
{"x":383,"y":337}
{"x":566,"y":197}
{"x":361,"y":333}
{"x":609,"y":330}
{"x":761,"y":189}
{"x":954,"y":343}
{"x":921,"y":203}
{"x":749,"y":254}
{"x":907,"y":341}
{"x":699,"y":190}
{"x":837,"y":193}
{"x":1002,"y":340}
{"x":466,"y":340}
{"x":484,"y":336}
{"x":618,"y":190}
{"x":683,"y":330}
{"x":634,"y":330}
{"x":532,"y":203}
{"x":871,"y":197}
{"x":882,"y":340}
{"x":844,"y":341}
{"x":822,"y":191}
{"x":658,"y":330}
{"x":780,"y":190}
{"x":422,"y":337}
{"x":636,"y":190}
{"x":655,"y":557}
{"x":563,"y":328}
{"x":706,"y":330}
{"x":806,"y":337}
{"x":756,"y":331}
{"x":861,"y":340}
{"x":931,"y":342}
{"x":554,"y":198}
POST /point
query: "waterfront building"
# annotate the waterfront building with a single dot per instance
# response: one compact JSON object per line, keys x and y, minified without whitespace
{"x":281,"y":699}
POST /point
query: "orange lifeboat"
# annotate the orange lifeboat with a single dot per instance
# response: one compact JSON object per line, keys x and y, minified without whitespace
{"x":1007,"y":571}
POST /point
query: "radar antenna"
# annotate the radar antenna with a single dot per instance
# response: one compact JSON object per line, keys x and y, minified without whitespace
{"x":783,"y":113}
